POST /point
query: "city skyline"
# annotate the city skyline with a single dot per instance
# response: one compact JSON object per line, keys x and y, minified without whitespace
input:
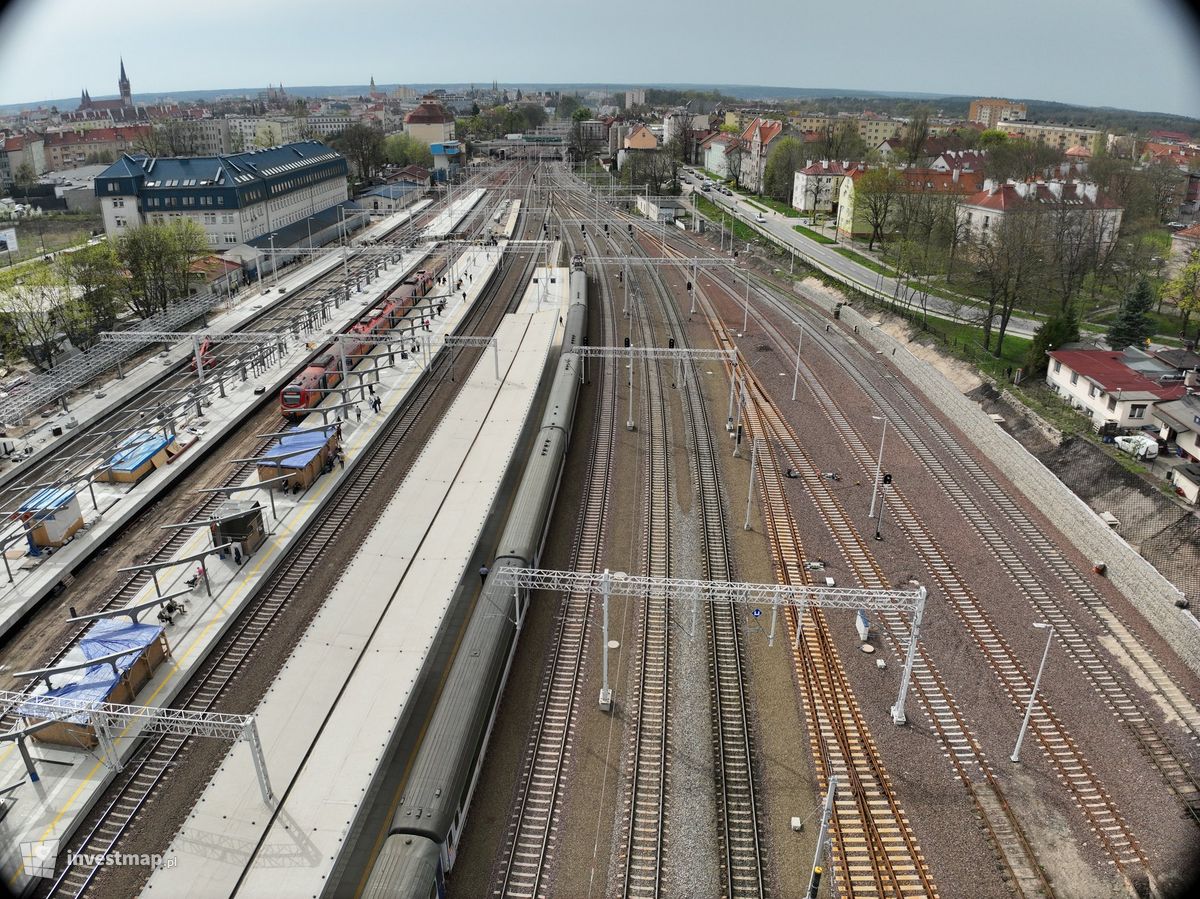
{"x":1163,"y":78}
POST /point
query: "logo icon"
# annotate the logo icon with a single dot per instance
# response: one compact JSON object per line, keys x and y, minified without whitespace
{"x":39,"y":857}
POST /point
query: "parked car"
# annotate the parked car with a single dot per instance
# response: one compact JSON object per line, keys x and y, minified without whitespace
{"x":1140,"y":446}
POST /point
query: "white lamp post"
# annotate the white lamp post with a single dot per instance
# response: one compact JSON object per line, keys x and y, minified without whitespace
{"x":878,"y":464}
{"x":1016,"y":753}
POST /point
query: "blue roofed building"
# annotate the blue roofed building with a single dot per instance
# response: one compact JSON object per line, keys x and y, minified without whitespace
{"x":234,"y":198}
{"x":448,"y":157}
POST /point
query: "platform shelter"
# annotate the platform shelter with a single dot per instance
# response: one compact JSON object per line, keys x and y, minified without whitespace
{"x":136,"y":456}
{"x":51,"y":516}
{"x":300,"y":456}
{"x":116,"y":680}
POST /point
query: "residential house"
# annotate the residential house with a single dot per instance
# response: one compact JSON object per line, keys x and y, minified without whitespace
{"x":852,"y":220}
{"x":986,"y":208}
{"x":712,"y":153}
{"x":757,"y":139}
{"x":1183,"y":244}
{"x":817,"y":186}
{"x":1119,"y":386}
{"x":1061,"y":137}
{"x":19,"y":150}
{"x":68,"y":149}
{"x":640,"y":138}
{"x":949,"y":160}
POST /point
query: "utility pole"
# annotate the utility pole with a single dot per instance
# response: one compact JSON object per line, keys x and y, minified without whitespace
{"x":1016,"y":753}
{"x":878,"y":463}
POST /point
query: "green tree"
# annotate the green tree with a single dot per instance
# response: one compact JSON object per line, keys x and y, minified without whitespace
{"x":534,"y":115}
{"x":915,"y":135}
{"x":1052,"y":334}
{"x":404,"y":149}
{"x":92,"y":278}
{"x":786,"y":158}
{"x":158,"y":259}
{"x":1184,"y":290}
{"x":567,"y":104}
{"x":992,"y":138}
{"x":1018,"y":158}
{"x":1010,"y":262}
{"x":33,"y":318}
{"x":581,"y":114}
{"x":875,"y":198}
{"x":363,"y":146}
{"x":1133,"y":326}
{"x":24,"y":177}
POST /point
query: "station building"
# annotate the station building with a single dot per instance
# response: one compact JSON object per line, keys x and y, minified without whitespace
{"x":234,"y":198}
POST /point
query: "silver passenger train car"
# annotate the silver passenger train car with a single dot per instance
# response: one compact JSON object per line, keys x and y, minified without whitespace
{"x":421,"y":845}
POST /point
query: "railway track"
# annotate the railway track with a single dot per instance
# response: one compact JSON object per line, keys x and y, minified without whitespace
{"x":739,"y":824}
{"x":647,"y":773}
{"x":1064,"y":754}
{"x":876,"y":852}
{"x":147,"y":771}
{"x":1108,"y":682}
{"x":529,"y":842}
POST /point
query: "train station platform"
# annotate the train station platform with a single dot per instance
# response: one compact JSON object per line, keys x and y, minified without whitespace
{"x":448,"y":220}
{"x":91,"y":403}
{"x":72,"y":780}
{"x":117,"y":503}
{"x":346,"y":690}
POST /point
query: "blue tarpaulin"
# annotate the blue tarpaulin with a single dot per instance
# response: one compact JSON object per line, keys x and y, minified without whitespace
{"x":47,"y":501}
{"x":135,"y":449}
{"x":305,"y":445}
{"x":95,"y":683}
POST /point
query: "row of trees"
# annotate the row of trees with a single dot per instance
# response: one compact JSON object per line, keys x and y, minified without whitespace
{"x":83,"y":292}
{"x":501,"y":120}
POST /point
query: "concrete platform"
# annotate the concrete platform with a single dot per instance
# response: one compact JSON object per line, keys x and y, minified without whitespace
{"x":99,"y":399}
{"x":346,"y":687}
{"x":117,"y":503}
{"x":71,"y":781}
{"x":449,"y":219}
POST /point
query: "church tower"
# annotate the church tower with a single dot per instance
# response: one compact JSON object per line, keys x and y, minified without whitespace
{"x":123,"y":85}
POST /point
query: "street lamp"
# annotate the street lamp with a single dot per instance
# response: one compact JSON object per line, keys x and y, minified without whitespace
{"x":878,"y":464}
{"x":1049,"y":628}
{"x":274,"y":263}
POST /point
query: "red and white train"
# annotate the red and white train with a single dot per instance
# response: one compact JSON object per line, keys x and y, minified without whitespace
{"x":325,"y":371}
{"x":207,"y":358}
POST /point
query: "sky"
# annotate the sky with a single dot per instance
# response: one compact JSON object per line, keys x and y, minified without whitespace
{"x":1133,"y":54}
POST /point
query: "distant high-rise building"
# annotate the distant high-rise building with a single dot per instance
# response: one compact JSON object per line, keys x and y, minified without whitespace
{"x":635,"y":98}
{"x":991,"y":112}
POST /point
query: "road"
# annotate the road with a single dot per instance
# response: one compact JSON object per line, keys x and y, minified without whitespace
{"x":859,"y":276}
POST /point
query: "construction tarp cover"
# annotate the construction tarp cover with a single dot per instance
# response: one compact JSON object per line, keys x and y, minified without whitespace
{"x":48,"y":499}
{"x":297,"y":450}
{"x":94,"y":684}
{"x":133,"y":452}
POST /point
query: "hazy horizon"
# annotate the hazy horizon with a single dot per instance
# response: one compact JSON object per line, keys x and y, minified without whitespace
{"x":1139,"y":56}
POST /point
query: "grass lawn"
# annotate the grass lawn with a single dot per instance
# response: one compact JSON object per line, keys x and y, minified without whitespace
{"x":782,"y":208}
{"x":966,"y":342}
{"x":813,"y":235}
{"x":740,"y":229}
{"x":756,"y":206}
{"x":53,"y":231}
{"x":865,"y":261}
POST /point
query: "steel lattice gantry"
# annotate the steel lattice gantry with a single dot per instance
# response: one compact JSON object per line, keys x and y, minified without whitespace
{"x":251,"y":338}
{"x":645,"y":354}
{"x":795,"y":596}
{"x":110,"y":719}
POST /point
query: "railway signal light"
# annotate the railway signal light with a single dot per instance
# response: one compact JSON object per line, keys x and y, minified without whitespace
{"x":630,"y":226}
{"x":606,"y":227}
{"x":887,"y":478}
{"x":689,"y":285}
{"x":670,"y":343}
{"x":627,"y":343}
